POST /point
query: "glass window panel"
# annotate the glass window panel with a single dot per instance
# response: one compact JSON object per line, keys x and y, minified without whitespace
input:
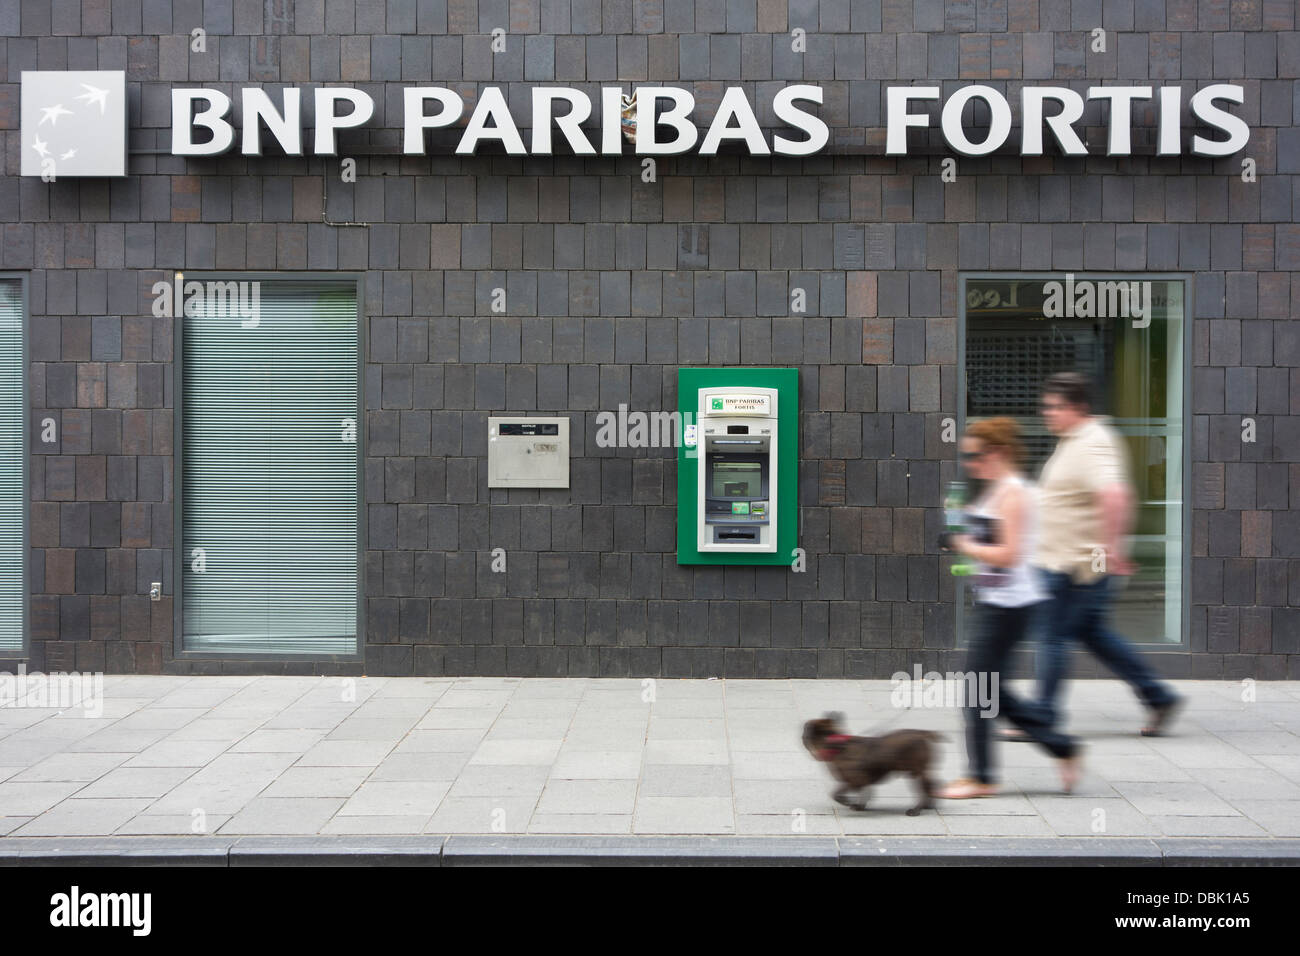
{"x":1021,"y":330}
{"x":12,"y":545}
{"x":270,"y":489}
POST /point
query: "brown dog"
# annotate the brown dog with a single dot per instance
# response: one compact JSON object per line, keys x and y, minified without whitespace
{"x":859,"y":762}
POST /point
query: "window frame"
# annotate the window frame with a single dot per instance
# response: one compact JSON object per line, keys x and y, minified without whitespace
{"x":1183,"y":644}
{"x":24,"y":653}
{"x":179,"y":651}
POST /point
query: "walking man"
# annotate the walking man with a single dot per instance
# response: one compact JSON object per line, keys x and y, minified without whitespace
{"x":1087,"y":509}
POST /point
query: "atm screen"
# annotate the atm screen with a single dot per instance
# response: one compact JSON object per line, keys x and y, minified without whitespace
{"x":738,"y":479}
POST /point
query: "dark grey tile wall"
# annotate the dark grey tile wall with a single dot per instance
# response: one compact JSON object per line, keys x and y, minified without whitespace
{"x":612,"y":283}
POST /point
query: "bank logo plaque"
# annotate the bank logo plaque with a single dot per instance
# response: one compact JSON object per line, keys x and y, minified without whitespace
{"x":73,"y":123}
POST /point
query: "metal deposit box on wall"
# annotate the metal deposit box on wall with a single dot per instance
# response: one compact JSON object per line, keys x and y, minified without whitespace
{"x":528,"y":453}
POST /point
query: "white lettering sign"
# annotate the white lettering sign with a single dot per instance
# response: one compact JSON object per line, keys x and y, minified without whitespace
{"x":902,"y":116}
{"x":972,"y":119}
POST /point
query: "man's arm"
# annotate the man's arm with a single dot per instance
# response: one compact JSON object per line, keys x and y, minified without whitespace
{"x":1108,"y":468}
{"x":1116,"y":501}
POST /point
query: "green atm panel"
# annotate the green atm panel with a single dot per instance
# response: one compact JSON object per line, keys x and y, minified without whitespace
{"x":738,"y":470}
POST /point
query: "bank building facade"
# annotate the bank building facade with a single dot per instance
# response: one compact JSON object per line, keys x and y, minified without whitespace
{"x":629,"y":338}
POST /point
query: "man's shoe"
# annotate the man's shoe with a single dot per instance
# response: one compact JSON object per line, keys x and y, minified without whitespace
{"x":1162,"y":717}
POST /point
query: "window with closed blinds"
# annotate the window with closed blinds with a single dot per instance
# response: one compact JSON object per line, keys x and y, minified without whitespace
{"x":269,"y":486}
{"x":12,"y":544}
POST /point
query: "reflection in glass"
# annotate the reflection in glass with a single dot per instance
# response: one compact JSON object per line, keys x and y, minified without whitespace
{"x":1016,"y":336}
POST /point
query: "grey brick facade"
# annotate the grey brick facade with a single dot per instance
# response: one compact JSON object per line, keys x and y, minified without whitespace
{"x":612,"y":283}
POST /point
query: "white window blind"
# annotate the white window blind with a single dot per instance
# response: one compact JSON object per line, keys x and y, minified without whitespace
{"x":12,"y":543}
{"x":269,"y":487}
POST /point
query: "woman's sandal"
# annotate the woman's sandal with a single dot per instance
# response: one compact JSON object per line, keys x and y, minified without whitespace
{"x":967,"y":789}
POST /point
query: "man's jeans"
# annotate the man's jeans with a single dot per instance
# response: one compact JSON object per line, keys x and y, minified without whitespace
{"x":1079,"y":613}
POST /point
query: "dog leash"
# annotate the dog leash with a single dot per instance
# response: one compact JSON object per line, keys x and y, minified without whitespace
{"x":876,"y":731}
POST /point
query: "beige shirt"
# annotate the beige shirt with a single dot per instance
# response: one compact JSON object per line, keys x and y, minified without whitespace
{"x":1088,"y":458}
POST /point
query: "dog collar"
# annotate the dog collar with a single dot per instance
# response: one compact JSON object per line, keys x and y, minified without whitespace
{"x":836,"y":741}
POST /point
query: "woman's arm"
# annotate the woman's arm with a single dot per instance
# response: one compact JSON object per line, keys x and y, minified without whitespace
{"x":1006,"y":552}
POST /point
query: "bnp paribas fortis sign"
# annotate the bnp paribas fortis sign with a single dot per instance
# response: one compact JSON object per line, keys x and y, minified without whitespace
{"x":74,"y":123}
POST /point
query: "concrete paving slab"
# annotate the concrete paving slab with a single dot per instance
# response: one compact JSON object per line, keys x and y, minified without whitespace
{"x":414,"y":766}
{"x":303,"y":815}
{"x":386,"y":798}
{"x":1281,"y":818}
{"x":597,"y":764}
{"x":347,"y":753}
{"x":685,"y":780}
{"x":375,"y":824}
{"x":30,"y":799}
{"x":180,"y":824}
{"x":607,"y":736}
{"x":440,"y":741}
{"x":536,"y":708}
{"x":781,"y":796}
{"x":1018,"y":825}
{"x":1175,"y":799}
{"x":442,"y":717}
{"x":684,"y":815}
{"x":581,"y":823}
{"x":528,"y":728}
{"x":213,"y":728}
{"x":1070,"y":816}
{"x":84,"y":817}
{"x":482,"y":815}
{"x":791,"y":824}
{"x":70,"y":767}
{"x":179,"y":753}
{"x":298,"y":781}
{"x":587,"y":797}
{"x":389,"y":729}
{"x":276,"y":741}
{"x":504,"y":780}
{"x":686,"y":751}
{"x":526,"y":752}
{"x":129,"y":782}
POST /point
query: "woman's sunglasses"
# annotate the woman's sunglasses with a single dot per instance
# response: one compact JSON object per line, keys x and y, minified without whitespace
{"x":972,"y":455}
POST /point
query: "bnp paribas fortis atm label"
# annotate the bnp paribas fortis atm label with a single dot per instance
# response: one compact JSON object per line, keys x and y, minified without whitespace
{"x":747,"y":404}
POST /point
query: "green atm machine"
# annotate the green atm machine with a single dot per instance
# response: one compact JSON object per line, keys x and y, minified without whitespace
{"x":738,"y":467}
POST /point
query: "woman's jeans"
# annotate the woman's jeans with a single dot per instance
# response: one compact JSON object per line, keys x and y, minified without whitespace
{"x":997,"y":632}
{"x":1078,"y":613}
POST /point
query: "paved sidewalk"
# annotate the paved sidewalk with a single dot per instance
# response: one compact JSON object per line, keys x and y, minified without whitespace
{"x":233,"y":757}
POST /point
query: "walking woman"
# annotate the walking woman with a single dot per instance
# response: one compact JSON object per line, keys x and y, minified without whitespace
{"x":1007,"y":591}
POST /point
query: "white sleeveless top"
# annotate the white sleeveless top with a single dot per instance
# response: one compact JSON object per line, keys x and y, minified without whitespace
{"x":1022,"y":586}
